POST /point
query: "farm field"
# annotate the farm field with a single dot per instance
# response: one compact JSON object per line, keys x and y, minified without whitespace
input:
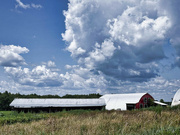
{"x":152,"y":121}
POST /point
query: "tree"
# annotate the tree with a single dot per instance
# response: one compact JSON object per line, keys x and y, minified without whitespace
{"x":150,"y":102}
{"x":5,"y":99}
{"x":162,"y":101}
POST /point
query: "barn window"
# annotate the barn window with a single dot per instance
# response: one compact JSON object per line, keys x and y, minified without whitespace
{"x":145,"y":100}
{"x":145,"y":106}
{"x":141,"y":105}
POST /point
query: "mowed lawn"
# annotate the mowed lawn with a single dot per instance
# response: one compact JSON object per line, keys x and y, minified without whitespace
{"x":150,"y":121}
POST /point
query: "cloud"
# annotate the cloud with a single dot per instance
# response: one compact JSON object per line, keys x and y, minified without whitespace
{"x":39,"y":76}
{"x":172,"y":10}
{"x":47,"y":75}
{"x":159,"y":88}
{"x":82,"y":78}
{"x":22,"y":5}
{"x":124,"y":42}
{"x":26,"y":6}
{"x":51,"y":64}
{"x":36,"y":6}
{"x":10,"y":55}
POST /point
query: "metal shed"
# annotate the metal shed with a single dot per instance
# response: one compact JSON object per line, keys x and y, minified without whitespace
{"x":126,"y":101}
{"x":56,"y":104}
{"x":176,"y":99}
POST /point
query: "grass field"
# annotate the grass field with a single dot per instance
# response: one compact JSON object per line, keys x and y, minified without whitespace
{"x":152,"y":121}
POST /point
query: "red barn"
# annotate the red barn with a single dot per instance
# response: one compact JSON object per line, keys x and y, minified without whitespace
{"x":127,"y":101}
{"x":143,"y":102}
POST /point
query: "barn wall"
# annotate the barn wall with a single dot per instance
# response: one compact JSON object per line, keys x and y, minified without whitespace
{"x":143,"y":102}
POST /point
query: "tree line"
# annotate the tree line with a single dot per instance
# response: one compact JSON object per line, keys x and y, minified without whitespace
{"x":6,"y":98}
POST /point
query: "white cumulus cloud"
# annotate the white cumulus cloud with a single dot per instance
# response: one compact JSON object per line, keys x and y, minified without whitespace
{"x":39,"y":76}
{"x":124,"y":42}
{"x":10,"y":55}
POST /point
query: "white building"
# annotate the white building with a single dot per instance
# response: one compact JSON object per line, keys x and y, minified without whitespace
{"x":56,"y":104}
{"x":126,"y":101}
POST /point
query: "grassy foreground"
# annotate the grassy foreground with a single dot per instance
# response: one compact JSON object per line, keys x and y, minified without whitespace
{"x":78,"y":122}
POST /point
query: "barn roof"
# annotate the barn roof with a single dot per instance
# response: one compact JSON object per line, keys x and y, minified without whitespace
{"x":119,"y":101}
{"x":30,"y":103}
{"x":176,"y":99}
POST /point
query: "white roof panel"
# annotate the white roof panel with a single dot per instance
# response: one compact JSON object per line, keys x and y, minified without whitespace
{"x":27,"y":103}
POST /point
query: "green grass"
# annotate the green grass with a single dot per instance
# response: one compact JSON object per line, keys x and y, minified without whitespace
{"x":163,"y":131}
{"x":10,"y":117}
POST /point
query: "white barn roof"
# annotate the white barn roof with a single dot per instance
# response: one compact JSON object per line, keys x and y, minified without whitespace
{"x":119,"y":101}
{"x":176,"y":99}
{"x":31,"y":103}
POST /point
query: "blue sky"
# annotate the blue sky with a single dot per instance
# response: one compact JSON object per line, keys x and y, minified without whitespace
{"x":37,"y":29}
{"x":79,"y":47}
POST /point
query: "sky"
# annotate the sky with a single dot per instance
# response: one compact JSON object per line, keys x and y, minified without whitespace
{"x":90,"y":46}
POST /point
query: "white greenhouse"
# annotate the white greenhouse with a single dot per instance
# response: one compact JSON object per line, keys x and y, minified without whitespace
{"x":176,"y":99}
{"x":53,"y":104}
